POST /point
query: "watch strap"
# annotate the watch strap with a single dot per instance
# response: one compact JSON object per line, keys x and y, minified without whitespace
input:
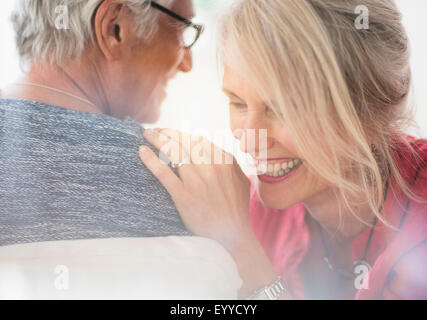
{"x":270,"y":292}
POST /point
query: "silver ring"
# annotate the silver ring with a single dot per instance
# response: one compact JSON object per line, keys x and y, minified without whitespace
{"x":176,"y":165}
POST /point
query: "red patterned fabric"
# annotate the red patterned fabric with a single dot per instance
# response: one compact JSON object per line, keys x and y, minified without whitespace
{"x":398,"y":258}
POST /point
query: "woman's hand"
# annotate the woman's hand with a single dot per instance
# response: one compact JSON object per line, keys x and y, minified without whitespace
{"x":212,"y":199}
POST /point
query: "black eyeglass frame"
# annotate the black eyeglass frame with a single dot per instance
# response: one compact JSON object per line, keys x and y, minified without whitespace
{"x":198,"y":27}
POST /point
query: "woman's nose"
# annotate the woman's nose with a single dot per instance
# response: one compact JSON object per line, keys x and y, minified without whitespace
{"x":187,"y":61}
{"x":254,"y":138}
{"x":255,"y":142}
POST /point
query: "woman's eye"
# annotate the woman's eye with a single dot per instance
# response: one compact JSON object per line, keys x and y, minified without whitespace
{"x":238,"y":105}
{"x":269,"y":111}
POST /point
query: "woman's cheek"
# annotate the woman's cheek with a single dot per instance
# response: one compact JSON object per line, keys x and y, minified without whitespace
{"x":282,"y":137}
{"x":236,"y":123}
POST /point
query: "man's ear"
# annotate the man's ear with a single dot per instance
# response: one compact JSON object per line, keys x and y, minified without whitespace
{"x":112,"y":25}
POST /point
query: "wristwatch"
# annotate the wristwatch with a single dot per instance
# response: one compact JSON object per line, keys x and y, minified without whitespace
{"x":271,"y":292}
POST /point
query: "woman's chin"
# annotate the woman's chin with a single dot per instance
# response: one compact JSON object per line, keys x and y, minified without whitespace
{"x":275,"y":201}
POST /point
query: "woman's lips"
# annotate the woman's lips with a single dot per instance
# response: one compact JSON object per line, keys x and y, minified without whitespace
{"x":273,"y":180}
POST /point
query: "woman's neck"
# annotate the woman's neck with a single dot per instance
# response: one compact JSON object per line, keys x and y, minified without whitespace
{"x":336,"y":219}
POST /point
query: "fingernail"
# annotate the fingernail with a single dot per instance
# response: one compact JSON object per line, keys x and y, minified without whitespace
{"x":143,"y":149}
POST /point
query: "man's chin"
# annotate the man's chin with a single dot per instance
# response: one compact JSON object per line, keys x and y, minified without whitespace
{"x":152,"y":114}
{"x":150,"y":117}
{"x":151,"y":120}
{"x":148,"y":113}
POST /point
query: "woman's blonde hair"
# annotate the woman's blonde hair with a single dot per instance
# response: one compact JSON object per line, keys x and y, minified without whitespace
{"x":339,"y":88}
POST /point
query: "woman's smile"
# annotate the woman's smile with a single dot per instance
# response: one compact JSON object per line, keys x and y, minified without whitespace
{"x":274,"y":171}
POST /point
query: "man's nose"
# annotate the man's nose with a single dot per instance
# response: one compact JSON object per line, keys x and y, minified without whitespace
{"x":186,"y":64}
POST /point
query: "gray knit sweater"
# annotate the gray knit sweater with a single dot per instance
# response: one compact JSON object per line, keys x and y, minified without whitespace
{"x":67,"y":174}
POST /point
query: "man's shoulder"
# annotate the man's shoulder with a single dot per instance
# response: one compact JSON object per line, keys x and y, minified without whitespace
{"x":21,"y":114}
{"x":78,"y":175}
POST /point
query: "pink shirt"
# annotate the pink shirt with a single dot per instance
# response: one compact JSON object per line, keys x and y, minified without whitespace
{"x":398,"y":259}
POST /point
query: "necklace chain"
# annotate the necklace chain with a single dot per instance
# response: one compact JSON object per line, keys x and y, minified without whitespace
{"x":56,"y":90}
{"x":362,"y":260}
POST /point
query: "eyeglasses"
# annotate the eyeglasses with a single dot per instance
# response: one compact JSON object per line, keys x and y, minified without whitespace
{"x":192,"y":31}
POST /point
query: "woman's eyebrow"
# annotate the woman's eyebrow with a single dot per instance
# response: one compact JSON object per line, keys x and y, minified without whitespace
{"x":231,"y":94}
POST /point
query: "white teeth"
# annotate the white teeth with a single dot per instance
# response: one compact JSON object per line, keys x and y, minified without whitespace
{"x":278,"y":169}
{"x":262,"y":168}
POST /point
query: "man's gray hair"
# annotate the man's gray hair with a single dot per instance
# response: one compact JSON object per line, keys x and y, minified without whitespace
{"x":56,"y":31}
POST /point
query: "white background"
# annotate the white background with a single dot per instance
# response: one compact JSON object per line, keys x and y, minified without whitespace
{"x":195,"y":100}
